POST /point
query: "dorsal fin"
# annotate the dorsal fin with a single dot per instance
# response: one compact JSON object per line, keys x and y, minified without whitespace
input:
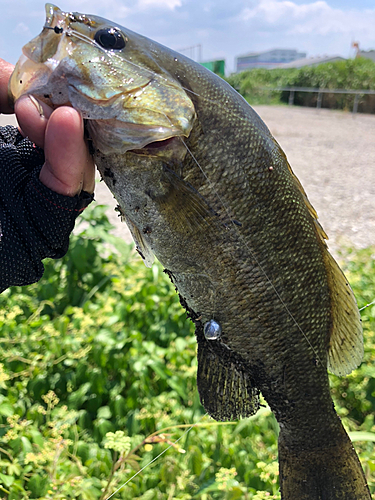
{"x":345,"y":347}
{"x":322,"y":234}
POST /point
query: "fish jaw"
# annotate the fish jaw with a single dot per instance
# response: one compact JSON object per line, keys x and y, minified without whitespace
{"x":65,"y":65}
{"x":39,"y":60}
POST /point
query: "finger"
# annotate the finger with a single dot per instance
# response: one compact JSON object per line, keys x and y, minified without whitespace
{"x":32,"y":116}
{"x":6,"y":70}
{"x":69,"y":167}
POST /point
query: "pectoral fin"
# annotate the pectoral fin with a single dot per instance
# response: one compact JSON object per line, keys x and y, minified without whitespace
{"x":188,"y":210}
{"x":140,"y":243}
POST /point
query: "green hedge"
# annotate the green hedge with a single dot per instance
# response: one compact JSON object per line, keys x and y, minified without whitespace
{"x":98,"y":377}
{"x":354,"y":74}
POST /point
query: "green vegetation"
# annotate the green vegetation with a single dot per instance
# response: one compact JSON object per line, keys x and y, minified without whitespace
{"x":97,"y":378}
{"x":353,"y":74}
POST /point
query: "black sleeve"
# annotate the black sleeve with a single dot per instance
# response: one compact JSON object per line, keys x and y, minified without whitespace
{"x":35,"y":222}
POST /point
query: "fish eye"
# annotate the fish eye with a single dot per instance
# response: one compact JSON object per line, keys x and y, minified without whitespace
{"x":110,"y":38}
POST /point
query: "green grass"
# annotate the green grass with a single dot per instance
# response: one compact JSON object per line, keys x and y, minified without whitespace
{"x":98,"y":377}
{"x":355,"y":74}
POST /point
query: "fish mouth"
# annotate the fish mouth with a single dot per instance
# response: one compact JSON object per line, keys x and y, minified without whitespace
{"x":158,"y":145}
{"x":117,"y":137}
{"x":165,"y":148}
{"x":126,"y":107}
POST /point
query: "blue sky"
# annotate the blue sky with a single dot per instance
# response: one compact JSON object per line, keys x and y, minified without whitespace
{"x":224,"y":28}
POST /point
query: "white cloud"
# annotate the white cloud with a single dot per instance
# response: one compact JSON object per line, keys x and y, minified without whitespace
{"x":317,"y":18}
{"x":22,"y":29}
{"x":165,"y":4}
{"x":273,"y":11}
{"x":224,"y":28}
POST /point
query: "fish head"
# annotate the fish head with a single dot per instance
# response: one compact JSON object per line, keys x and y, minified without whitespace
{"x":108,"y":74}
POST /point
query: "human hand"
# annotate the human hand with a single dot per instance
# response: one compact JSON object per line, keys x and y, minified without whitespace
{"x":6,"y":70}
{"x":68,"y":167}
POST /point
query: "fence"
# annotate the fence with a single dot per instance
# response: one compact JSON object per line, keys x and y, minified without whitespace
{"x":320,"y":92}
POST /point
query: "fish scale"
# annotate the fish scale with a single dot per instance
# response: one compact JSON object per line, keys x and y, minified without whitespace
{"x":205,"y":188}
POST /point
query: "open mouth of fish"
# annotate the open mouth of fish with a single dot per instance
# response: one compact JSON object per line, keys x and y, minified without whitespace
{"x":161,"y":147}
{"x":160,"y":144}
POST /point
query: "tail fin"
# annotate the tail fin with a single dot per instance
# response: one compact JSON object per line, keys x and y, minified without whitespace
{"x":329,"y":473}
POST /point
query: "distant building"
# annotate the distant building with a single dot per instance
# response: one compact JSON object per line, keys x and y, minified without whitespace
{"x":368,"y":54}
{"x":311,"y":61}
{"x":268,"y":59}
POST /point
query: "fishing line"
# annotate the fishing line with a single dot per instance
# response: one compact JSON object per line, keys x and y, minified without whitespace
{"x":367,"y":305}
{"x":157,"y":76}
{"x":69,"y":32}
{"x":249,"y":250}
{"x":214,"y":304}
{"x":113,"y":55}
{"x":172,"y":445}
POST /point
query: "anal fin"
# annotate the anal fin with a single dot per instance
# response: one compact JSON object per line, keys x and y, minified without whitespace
{"x":225,"y":388}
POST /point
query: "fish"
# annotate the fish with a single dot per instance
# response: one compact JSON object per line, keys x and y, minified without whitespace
{"x":206,"y":189}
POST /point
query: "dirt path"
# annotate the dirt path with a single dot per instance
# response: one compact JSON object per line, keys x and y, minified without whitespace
{"x":333,"y":155}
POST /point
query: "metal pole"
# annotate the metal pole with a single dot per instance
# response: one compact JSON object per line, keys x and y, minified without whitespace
{"x":319,"y":101}
{"x":356,"y":102}
{"x":291,"y":98}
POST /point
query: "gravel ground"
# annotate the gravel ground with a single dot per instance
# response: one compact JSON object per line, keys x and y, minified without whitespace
{"x":333,"y":155}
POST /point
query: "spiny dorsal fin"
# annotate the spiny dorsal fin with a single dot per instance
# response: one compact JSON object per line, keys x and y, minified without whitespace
{"x":345,"y":348}
{"x":322,"y":234}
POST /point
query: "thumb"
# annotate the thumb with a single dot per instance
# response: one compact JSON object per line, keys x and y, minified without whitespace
{"x":68,"y":167}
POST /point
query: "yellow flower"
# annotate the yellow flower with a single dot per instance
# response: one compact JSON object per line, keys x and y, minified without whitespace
{"x":51,"y":399}
{"x":3,"y":376}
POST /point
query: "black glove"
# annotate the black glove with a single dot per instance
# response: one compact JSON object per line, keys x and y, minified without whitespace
{"x":35,"y":221}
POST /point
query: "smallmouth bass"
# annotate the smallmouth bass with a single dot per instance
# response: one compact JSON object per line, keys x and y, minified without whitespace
{"x":204,"y":187}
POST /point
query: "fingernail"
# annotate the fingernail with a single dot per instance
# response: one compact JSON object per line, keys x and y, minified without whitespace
{"x":37,"y":105}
